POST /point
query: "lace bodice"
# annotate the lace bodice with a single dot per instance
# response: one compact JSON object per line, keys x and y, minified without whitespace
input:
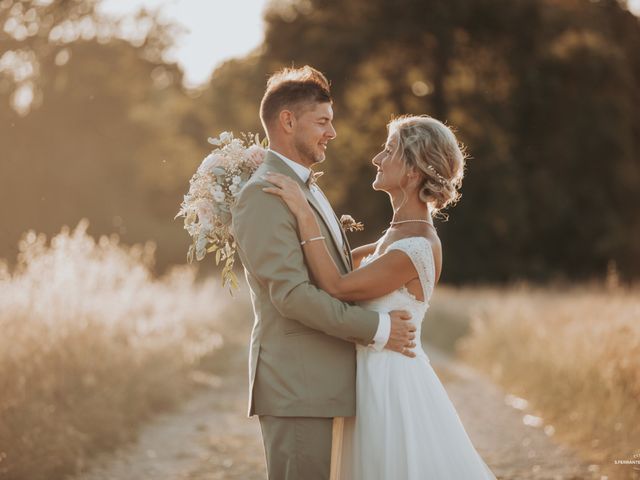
{"x":418,"y":249}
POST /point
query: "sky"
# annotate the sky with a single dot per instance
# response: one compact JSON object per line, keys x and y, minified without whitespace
{"x":217,"y":30}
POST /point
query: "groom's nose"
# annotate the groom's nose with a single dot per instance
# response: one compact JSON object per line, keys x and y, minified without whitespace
{"x":331,"y":132}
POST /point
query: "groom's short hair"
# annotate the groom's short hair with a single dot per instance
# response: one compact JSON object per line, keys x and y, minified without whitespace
{"x":290,"y":88}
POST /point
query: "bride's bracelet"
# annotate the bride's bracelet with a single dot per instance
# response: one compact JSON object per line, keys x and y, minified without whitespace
{"x":312,"y":239}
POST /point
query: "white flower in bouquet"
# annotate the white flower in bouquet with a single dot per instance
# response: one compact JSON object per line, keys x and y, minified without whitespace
{"x":206,"y":208}
{"x":209,"y":162}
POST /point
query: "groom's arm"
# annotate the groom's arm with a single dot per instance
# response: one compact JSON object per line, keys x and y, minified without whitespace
{"x":266,"y":233}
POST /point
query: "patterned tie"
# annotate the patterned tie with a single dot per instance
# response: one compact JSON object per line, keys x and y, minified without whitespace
{"x":313,"y":178}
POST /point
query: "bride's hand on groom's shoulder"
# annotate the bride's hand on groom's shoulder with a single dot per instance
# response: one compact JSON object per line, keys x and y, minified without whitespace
{"x":403,"y":333}
{"x":289,"y":191}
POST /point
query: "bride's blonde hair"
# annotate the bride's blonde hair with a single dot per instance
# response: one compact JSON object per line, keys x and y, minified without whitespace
{"x":432,"y":148}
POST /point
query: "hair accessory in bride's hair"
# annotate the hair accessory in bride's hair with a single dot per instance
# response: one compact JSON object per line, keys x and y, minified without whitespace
{"x":440,"y":178}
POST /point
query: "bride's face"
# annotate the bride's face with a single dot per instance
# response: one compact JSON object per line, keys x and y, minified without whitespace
{"x":390,"y":165}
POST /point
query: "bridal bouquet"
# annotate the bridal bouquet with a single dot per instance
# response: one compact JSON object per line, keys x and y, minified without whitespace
{"x":206,"y":208}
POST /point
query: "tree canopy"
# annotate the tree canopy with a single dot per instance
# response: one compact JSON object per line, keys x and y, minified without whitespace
{"x":543,"y":93}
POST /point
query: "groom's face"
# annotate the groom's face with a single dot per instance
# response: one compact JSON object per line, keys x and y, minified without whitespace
{"x":313,"y":130}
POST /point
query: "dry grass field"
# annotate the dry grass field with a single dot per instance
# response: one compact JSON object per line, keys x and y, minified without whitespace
{"x":91,"y":346}
{"x":572,"y":352}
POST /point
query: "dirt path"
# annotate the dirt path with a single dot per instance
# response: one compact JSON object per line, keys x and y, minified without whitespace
{"x":210,"y":438}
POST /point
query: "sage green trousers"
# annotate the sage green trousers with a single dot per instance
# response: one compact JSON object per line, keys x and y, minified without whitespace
{"x":297,"y":448}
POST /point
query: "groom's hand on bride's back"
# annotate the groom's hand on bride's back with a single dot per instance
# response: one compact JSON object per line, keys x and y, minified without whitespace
{"x":403,"y":333}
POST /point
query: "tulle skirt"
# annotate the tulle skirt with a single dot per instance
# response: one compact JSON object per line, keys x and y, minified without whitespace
{"x":406,"y":426}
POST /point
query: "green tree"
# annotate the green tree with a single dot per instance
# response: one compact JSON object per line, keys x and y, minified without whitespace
{"x":111,"y":134}
{"x":542,"y":93}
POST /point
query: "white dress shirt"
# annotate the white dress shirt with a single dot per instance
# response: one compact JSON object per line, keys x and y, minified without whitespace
{"x":384,"y":325}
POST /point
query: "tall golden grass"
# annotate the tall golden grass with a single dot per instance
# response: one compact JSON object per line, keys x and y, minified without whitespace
{"x":91,"y":345}
{"x":572,"y":352}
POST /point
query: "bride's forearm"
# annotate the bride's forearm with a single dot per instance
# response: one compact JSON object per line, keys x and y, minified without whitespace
{"x":318,"y":258}
{"x":380,"y":277}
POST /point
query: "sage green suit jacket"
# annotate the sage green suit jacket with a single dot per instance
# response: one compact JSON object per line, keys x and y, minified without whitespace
{"x":302,"y":359}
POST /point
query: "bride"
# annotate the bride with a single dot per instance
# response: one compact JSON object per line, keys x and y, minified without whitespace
{"x":406,"y":426}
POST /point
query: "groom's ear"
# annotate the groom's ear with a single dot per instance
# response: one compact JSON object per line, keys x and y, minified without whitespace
{"x":287,"y":120}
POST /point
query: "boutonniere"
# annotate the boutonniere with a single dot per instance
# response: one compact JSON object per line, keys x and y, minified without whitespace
{"x":350,"y":225}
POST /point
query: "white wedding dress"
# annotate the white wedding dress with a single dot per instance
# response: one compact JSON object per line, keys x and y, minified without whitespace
{"x":406,"y":427}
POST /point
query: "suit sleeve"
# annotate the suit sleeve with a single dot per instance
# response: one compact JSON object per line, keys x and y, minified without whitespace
{"x":266,"y":233}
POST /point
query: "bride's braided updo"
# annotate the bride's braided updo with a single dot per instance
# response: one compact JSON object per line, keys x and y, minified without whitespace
{"x":432,"y":148}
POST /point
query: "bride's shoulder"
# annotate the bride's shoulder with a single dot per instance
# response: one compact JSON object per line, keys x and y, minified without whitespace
{"x":412,"y":242}
{"x":418,"y":236}
{"x":426,"y":242}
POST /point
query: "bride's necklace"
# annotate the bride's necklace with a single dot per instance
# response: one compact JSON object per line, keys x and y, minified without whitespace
{"x":393,"y":224}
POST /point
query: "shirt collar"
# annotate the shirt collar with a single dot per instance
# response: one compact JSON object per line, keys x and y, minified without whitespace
{"x":302,"y":171}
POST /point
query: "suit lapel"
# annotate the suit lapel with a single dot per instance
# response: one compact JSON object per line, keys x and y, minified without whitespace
{"x":314,"y":203}
{"x":346,"y":250}
{"x":347,"y":247}
{"x":274,"y":163}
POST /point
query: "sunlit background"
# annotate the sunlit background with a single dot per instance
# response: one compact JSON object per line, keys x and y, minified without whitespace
{"x":212,"y":32}
{"x":105,"y":111}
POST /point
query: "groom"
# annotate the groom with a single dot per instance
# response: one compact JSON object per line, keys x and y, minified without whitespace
{"x":302,"y":366}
